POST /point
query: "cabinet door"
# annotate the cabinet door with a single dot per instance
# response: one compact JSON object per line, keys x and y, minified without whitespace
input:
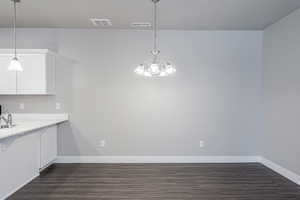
{"x":7,"y":78}
{"x":19,"y":162}
{"x":48,"y":145}
{"x":33,"y":78}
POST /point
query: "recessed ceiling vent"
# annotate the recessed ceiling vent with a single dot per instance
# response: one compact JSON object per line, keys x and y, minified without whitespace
{"x":101,"y":22}
{"x":140,"y":25}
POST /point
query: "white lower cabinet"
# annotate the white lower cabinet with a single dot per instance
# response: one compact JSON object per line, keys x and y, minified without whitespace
{"x":48,"y":138}
{"x":22,"y":157}
{"x":18,"y":162}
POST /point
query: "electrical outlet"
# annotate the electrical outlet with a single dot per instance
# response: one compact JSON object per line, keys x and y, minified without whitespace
{"x":101,"y":143}
{"x":201,"y":144}
{"x":57,"y":106}
{"x":21,"y":106}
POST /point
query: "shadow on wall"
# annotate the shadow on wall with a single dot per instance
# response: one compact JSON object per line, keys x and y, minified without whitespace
{"x":69,"y":139}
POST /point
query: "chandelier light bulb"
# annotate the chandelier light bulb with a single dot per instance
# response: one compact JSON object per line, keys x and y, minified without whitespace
{"x":154,"y":68}
{"x":163,"y":73}
{"x":147,"y":74}
{"x":170,"y":69}
{"x":140,"y":69}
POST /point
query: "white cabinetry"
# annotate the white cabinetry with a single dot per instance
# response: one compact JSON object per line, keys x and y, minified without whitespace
{"x":23,"y":156}
{"x":38,"y":77}
{"x":7,"y":78}
{"x":48,"y":146}
{"x":18,"y":162}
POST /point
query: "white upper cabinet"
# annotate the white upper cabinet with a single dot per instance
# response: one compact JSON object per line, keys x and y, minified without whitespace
{"x":7,"y":78}
{"x":37,"y":77}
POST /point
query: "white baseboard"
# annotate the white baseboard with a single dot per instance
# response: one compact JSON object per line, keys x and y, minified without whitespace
{"x":16,"y":189}
{"x":157,"y":159}
{"x":281,"y":170}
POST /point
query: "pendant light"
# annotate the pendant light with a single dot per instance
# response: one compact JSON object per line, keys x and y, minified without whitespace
{"x":15,"y":64}
{"x":155,"y":68}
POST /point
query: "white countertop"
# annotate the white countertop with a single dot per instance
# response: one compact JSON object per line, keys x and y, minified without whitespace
{"x":30,"y":122}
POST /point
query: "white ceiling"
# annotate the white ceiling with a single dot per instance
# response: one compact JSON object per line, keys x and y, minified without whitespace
{"x":173,"y":14}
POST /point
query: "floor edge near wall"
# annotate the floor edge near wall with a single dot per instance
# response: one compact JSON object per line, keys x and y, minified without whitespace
{"x":182,"y":159}
{"x":281,"y":170}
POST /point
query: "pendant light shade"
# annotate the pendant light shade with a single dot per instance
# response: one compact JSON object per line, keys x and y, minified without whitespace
{"x":15,"y":64}
{"x":155,"y":68}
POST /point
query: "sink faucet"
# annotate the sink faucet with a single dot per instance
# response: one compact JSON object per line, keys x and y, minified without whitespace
{"x":8,"y":120}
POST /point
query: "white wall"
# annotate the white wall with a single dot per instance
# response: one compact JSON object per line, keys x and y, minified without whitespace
{"x":215,"y":95}
{"x":281,"y":53}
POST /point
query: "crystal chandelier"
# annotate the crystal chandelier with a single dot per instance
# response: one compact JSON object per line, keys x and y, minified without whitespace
{"x":155,"y":68}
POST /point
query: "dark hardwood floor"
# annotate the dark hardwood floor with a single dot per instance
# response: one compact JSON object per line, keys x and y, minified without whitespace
{"x":159,"y":181}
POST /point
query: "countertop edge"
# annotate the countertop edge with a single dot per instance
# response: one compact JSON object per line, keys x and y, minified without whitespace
{"x":39,"y":125}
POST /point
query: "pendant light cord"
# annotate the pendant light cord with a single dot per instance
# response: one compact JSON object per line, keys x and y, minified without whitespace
{"x":15,"y":32}
{"x":155,"y":26}
{"x":155,"y":51}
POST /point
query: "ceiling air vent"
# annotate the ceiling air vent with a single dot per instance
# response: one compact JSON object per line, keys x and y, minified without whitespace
{"x":101,"y":22}
{"x":140,"y":25}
